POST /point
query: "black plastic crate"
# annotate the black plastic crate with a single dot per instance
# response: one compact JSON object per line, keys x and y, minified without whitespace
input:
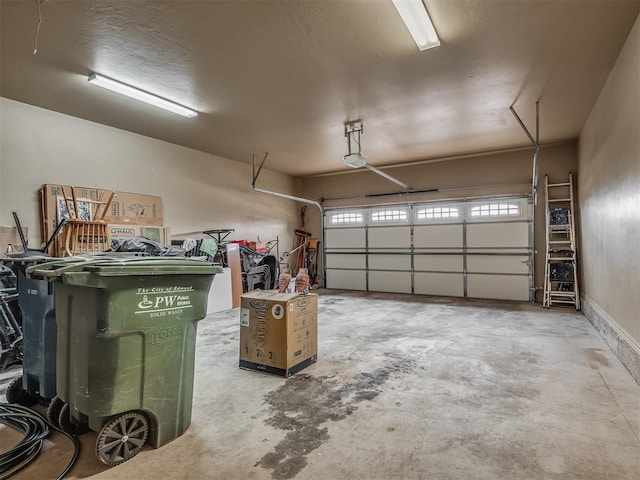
{"x":561,"y":272}
{"x":559,"y":216}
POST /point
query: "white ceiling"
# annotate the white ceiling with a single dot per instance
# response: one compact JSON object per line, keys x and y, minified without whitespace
{"x":283,"y":76}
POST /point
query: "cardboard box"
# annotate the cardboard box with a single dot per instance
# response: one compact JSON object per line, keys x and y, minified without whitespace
{"x":278,"y":332}
{"x":9,"y":237}
{"x":133,"y":208}
{"x":126,"y":208}
{"x":158,"y":234}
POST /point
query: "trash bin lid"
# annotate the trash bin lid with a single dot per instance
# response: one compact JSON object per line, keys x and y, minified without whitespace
{"x":29,"y":257}
{"x":57,"y":266}
{"x":106,"y":266}
{"x":152,"y":266}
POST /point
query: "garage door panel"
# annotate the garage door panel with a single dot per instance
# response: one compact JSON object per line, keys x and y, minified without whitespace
{"x":335,"y":260}
{"x":390,"y":262}
{"x":498,"y":264}
{"x":347,"y":279}
{"x":443,"y":263}
{"x":337,"y":238}
{"x":437,"y":236}
{"x":481,"y":255}
{"x":443,"y":284}
{"x":503,"y":250}
{"x":495,"y":235}
{"x":499,"y":287}
{"x":397,"y":282}
{"x":390,"y":237}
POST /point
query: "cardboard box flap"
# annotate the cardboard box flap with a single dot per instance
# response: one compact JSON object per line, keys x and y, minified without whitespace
{"x":271,"y":295}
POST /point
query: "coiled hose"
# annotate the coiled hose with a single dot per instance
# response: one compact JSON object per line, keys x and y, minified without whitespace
{"x":35,"y":429}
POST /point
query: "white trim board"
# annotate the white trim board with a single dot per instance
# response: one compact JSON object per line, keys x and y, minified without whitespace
{"x":621,"y":343}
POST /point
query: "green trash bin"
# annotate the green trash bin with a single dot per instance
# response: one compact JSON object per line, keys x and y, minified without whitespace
{"x":126,"y":347}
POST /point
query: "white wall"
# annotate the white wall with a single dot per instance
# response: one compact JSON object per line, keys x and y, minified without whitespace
{"x":609,"y":194}
{"x":199,"y":191}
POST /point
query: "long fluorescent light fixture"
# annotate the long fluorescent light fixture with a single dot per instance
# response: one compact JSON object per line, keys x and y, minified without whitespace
{"x":415,"y":17}
{"x":141,"y":95}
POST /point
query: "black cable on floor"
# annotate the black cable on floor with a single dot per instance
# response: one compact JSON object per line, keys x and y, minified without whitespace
{"x":35,"y":429}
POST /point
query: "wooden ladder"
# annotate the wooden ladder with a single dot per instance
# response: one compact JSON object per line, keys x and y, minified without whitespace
{"x":561,"y":269}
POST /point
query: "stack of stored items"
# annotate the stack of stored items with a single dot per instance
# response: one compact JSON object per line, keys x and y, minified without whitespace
{"x":205,"y":248}
{"x":10,"y":319}
{"x":127,"y":215}
{"x":259,"y":270}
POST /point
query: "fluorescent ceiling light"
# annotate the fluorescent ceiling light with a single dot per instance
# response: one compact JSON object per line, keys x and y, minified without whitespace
{"x":415,"y":16}
{"x":143,"y":96}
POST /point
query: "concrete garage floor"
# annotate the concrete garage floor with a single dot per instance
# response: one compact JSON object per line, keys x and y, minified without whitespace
{"x":406,"y":387}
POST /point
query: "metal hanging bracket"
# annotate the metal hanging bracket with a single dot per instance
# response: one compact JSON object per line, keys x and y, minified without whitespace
{"x":354,"y":159}
{"x":253,"y":163}
{"x":287,"y":196}
{"x":536,"y":145}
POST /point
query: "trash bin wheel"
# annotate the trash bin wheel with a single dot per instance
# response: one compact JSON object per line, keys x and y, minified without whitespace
{"x":67,"y":425}
{"x":122,"y":438}
{"x":16,"y":394}
{"x":53,"y":411}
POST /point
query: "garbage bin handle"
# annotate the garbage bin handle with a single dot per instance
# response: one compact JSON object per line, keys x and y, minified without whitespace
{"x":77,"y":278}
{"x":63,"y":265}
{"x":72,"y":264}
{"x":50,"y":269}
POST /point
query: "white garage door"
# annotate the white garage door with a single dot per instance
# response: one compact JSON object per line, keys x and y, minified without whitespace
{"x":480,"y":248}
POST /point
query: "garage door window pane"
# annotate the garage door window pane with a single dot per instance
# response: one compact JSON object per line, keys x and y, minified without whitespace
{"x":495,"y":210}
{"x":388,"y":215}
{"x":438,"y":212}
{"x":345,"y":218}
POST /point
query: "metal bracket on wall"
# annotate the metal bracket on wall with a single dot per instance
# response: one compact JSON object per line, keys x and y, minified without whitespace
{"x":287,"y":196}
{"x":536,"y":145}
{"x":277,"y":194}
{"x":534,"y":176}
